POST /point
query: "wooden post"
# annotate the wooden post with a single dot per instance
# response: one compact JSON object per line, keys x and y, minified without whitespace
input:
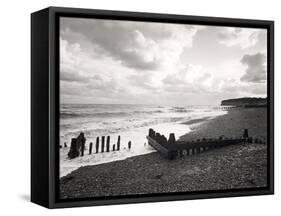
{"x":129,"y":145}
{"x":151,"y":133}
{"x":181,"y":153}
{"x":81,"y":140}
{"x":172,"y":155}
{"x":90,"y":148}
{"x":158,"y":137}
{"x":82,"y":149}
{"x":163,"y":140}
{"x":73,"y":152}
{"x":97,"y":144}
{"x":102,"y":143}
{"x":118,"y":143}
{"x":245,"y":134}
{"x":107,"y":143}
{"x":172,"y":139}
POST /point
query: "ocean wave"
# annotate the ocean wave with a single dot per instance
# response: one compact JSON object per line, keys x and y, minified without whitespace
{"x":67,"y":114}
{"x":180,"y":109}
{"x":104,"y":128}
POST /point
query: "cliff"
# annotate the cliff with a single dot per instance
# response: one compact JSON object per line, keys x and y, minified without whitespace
{"x":246,"y":102}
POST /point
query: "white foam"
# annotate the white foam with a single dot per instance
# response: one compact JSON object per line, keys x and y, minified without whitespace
{"x":136,"y":135}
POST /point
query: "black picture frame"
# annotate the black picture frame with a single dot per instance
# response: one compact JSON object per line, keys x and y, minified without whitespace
{"x":45,"y":104}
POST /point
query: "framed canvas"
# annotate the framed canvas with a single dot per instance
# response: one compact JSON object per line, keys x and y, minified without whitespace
{"x":139,"y":107}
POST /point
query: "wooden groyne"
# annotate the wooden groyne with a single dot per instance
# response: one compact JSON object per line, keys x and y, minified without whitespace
{"x":171,"y":148}
{"x":77,"y":147}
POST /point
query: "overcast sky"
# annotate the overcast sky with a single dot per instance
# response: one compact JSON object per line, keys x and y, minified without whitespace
{"x":123,"y":62}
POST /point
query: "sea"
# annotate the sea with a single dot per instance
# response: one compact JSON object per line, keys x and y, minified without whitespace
{"x":130,"y":122}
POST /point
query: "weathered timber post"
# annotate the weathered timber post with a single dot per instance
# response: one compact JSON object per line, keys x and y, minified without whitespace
{"x":90,"y":148}
{"x":107,"y":143}
{"x":151,"y":133}
{"x":97,"y":144}
{"x":73,"y":152}
{"x":82,"y":150}
{"x":102,"y":143}
{"x":118,"y":143}
{"x":65,"y":145}
{"x":129,"y":145}
{"x":81,"y":140}
{"x":181,"y":153}
{"x":172,"y":155}
{"x":113,"y":147}
{"x":172,"y":139}
{"x":158,"y":137}
{"x":245,"y":135}
{"x":163,"y":140}
{"x":193,"y":151}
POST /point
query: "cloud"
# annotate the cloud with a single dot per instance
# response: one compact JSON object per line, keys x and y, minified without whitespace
{"x":73,"y":77}
{"x":106,"y":61}
{"x":243,"y":37}
{"x":256,"y":68}
{"x":237,"y":88}
{"x":189,"y":79}
{"x":139,"y":45}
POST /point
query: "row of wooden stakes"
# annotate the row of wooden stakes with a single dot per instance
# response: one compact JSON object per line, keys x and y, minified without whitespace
{"x":163,"y":140}
{"x":115,"y":147}
{"x":77,"y":146}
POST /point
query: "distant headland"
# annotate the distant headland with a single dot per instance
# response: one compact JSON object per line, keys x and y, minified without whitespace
{"x":245,"y":102}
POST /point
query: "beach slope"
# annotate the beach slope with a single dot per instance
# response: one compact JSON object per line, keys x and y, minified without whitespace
{"x":231,"y":167}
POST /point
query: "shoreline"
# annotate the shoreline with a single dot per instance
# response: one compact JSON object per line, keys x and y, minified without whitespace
{"x":239,"y":166}
{"x":138,"y":147}
{"x":231,"y":124}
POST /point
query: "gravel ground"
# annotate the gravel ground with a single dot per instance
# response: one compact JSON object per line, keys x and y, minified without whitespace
{"x":237,"y":166}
